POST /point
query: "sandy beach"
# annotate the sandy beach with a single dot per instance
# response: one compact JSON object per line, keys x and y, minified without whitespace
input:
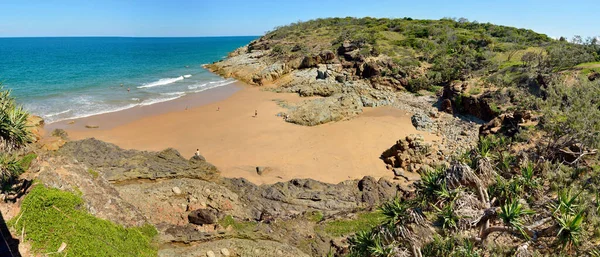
{"x":220,"y":123}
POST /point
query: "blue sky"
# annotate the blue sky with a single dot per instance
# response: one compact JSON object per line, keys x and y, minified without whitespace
{"x":247,"y":17}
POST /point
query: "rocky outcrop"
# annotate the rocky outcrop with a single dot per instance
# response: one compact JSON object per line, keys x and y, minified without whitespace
{"x":411,"y":154}
{"x":36,"y":126}
{"x":234,"y":247}
{"x":117,"y":165}
{"x":422,"y":122}
{"x":348,"y":82}
{"x":323,"y":110}
{"x":186,"y":200}
{"x":287,"y":199}
{"x":507,"y":124}
{"x":480,"y":106}
{"x":101,"y":198}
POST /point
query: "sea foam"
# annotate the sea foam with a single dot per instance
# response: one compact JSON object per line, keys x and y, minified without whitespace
{"x":162,"y":82}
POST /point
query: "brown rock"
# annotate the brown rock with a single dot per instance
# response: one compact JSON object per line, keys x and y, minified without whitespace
{"x":202,"y":216}
{"x":51,"y":143}
{"x":327,"y":56}
{"x":447,"y":106}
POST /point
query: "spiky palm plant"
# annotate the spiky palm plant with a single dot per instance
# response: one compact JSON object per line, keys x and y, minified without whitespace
{"x":566,"y":203}
{"x":9,"y":168}
{"x":527,"y":176}
{"x":512,"y":213}
{"x":447,"y":216}
{"x":571,"y":229}
{"x":380,"y":248}
{"x":361,"y":243}
{"x":14,"y":131}
{"x":431,"y":182}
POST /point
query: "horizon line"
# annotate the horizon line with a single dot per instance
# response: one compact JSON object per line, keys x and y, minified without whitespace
{"x":129,"y":36}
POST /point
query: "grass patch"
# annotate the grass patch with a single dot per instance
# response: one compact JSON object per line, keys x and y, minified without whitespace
{"x":25,"y":162}
{"x":588,"y":65}
{"x":315,"y":216}
{"x":93,"y":173}
{"x":51,"y":217}
{"x":365,"y":222}
{"x":474,"y":91}
{"x":236,"y":225}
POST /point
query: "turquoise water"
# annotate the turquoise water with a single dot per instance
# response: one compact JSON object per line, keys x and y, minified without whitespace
{"x":64,"y":78}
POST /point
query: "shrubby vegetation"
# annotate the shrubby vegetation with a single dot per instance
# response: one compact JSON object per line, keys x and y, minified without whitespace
{"x":536,"y":200}
{"x":14,"y":134}
{"x":431,"y":53}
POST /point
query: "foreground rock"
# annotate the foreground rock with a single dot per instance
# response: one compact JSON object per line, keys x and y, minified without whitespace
{"x":235,"y":247}
{"x":187,"y":201}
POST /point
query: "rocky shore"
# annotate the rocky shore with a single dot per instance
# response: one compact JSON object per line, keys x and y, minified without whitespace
{"x":190,"y":204}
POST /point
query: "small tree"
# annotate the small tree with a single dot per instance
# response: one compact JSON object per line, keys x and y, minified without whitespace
{"x":571,"y":119}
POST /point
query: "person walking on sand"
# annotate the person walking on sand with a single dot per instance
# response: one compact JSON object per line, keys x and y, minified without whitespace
{"x":255,"y":113}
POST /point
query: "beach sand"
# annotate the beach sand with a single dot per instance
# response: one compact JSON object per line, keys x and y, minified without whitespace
{"x":236,"y":142}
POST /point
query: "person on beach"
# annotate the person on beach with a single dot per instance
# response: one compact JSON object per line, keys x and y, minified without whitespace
{"x":197,"y":154}
{"x":255,"y":113}
{"x":218,"y":108}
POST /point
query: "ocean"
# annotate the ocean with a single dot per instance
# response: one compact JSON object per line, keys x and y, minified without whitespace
{"x":74,"y":77}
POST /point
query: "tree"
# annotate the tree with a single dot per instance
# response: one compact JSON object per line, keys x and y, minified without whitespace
{"x":571,"y":117}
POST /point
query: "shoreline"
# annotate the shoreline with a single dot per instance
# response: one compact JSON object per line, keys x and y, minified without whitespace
{"x":127,"y":115}
{"x":237,"y":143}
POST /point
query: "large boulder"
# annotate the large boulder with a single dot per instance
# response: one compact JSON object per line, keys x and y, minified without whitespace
{"x":203,"y":216}
{"x":594,"y":76}
{"x":327,"y":56}
{"x":412,"y":154}
{"x":310,"y":62}
{"x":422,"y":122}
{"x":323,"y":110}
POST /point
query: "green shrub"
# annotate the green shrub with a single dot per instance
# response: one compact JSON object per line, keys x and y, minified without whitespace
{"x":14,"y":131}
{"x":50,"y":217}
{"x":10,"y":169}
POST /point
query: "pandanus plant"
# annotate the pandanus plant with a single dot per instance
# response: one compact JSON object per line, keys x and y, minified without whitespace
{"x":14,"y":132}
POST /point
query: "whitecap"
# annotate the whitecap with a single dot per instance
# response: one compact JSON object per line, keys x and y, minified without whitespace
{"x":161,"y":82}
{"x":197,"y":86}
{"x":187,"y":76}
{"x":174,"y":93}
{"x":58,"y":113}
{"x":157,"y":100}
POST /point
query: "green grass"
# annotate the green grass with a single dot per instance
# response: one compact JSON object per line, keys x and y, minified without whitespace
{"x":51,"y":217}
{"x":474,"y":91}
{"x":365,"y":222}
{"x":25,"y":162}
{"x":93,"y":173}
{"x":237,"y":225}
{"x":588,"y":65}
{"x":315,"y":216}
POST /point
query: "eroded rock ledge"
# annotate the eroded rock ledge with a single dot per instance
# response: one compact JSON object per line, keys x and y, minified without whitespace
{"x":133,"y":187}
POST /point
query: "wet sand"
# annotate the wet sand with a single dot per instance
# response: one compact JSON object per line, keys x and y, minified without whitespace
{"x":236,"y":142}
